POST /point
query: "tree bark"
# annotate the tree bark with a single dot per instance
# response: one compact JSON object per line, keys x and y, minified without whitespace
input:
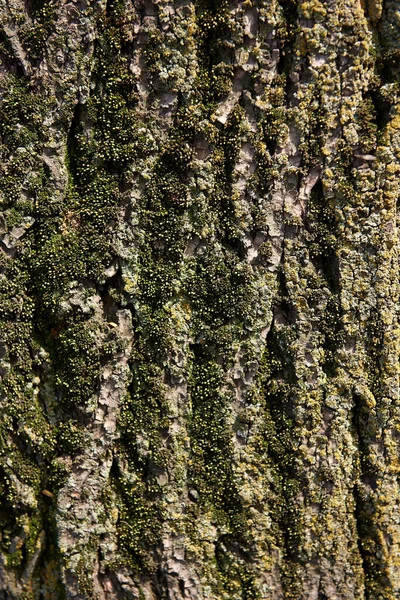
{"x":199,"y":299}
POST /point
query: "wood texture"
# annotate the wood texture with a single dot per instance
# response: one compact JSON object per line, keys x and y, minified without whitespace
{"x":199,"y":287}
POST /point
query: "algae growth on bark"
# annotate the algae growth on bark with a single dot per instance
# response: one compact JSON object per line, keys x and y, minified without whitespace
{"x":199,"y":290}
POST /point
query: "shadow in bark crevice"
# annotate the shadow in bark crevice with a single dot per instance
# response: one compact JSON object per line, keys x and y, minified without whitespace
{"x":279,"y":381}
{"x":369,"y":532}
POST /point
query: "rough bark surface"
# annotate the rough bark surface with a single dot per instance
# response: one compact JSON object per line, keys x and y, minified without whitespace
{"x":199,"y":287}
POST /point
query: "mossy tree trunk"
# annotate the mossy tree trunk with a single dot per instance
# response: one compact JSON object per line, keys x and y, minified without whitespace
{"x":199,"y":299}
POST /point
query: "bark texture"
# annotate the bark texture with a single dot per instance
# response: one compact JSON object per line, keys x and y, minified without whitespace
{"x":199,"y":287}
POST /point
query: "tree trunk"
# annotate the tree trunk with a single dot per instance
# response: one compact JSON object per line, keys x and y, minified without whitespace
{"x":199,"y":300}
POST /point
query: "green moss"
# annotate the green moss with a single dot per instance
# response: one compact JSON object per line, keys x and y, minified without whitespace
{"x":34,"y":36}
{"x":321,"y":235}
{"x":143,"y":425}
{"x":211,"y":472}
{"x":144,"y":411}
{"x":222,"y":296}
{"x":211,"y":475}
{"x":332,"y":328}
{"x":7,"y":511}
{"x":70,"y":437}
{"x":377,"y":575}
{"x":139,"y":525}
{"x":236,"y":577}
{"x":74,"y":233}
{"x":213,"y":27}
{"x":115,"y":10}
{"x":277,"y":439}
{"x":287,"y":29}
{"x":78,"y":361}
{"x":186,"y":201}
{"x":22,"y":112}
{"x":314,"y":137}
{"x":57,"y":472}
{"x":6,"y":51}
{"x":85,"y":580}
{"x":35,"y":527}
{"x":274,"y":116}
{"x":270,"y":137}
{"x":367,"y":121}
